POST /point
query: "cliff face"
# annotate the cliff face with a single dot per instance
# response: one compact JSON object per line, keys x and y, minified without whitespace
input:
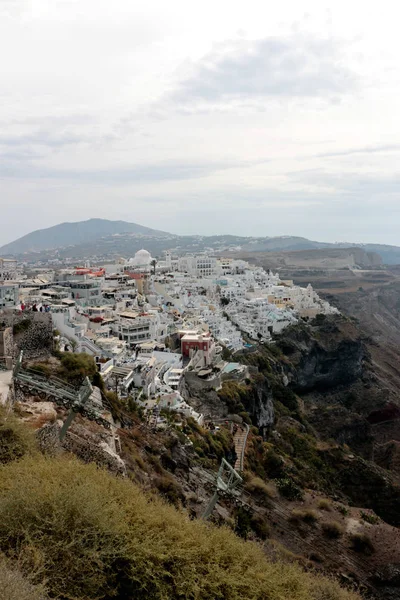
{"x":322,"y":356}
{"x":259,"y":404}
{"x":320,"y":379}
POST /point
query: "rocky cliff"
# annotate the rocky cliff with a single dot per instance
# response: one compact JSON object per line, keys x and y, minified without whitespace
{"x":322,"y":355}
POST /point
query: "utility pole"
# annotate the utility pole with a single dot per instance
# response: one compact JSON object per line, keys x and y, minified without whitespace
{"x":227,"y":481}
{"x":83,"y":396}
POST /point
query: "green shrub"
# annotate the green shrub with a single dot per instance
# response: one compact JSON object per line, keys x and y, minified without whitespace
{"x":286,"y":396}
{"x":236,"y":396}
{"x":289,"y":489}
{"x":361,"y":542}
{"x":245,"y":416}
{"x":75,"y":367}
{"x":332,"y":529}
{"x":343,"y":510}
{"x":90,"y":535}
{"x":368,"y":518}
{"x":243,"y":522}
{"x":274,"y":465}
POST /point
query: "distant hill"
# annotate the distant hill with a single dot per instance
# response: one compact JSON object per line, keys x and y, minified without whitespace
{"x":321,"y":258}
{"x":102,"y":239}
{"x":73,"y":234}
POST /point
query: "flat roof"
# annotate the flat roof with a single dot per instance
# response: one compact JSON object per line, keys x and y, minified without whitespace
{"x":128,"y":314}
{"x":195,"y":338}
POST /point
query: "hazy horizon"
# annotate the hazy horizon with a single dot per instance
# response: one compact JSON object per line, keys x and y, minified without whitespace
{"x":214,"y":118}
{"x":315,"y":239}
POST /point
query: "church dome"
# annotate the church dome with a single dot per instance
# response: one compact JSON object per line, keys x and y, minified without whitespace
{"x":142,"y":258}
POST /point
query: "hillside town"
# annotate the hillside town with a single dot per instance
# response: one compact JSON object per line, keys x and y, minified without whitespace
{"x":147,"y":321}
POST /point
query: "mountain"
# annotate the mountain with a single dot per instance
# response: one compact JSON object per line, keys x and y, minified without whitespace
{"x":321,"y":259}
{"x":73,"y":234}
{"x":103,"y":239}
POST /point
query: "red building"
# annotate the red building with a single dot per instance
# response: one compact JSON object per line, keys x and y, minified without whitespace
{"x":196,"y":341}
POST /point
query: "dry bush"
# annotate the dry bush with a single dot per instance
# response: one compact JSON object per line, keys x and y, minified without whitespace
{"x":14,"y":586}
{"x":169,"y":488}
{"x":332,"y":529}
{"x":16,"y":439}
{"x":255,"y":485}
{"x":328,"y":589}
{"x":90,"y":536}
{"x":362,"y":543}
{"x":260,"y":527}
{"x":308,"y":516}
{"x":42,"y":420}
{"x":324,"y":504}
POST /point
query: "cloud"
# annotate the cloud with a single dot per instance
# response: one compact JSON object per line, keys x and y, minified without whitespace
{"x":51,"y":133}
{"x":18,"y":167}
{"x":363,"y":150}
{"x":42,"y":138}
{"x":293,"y":66}
{"x":365,"y":187}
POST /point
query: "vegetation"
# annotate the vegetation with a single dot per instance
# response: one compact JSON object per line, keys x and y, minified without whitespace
{"x":362,"y":543}
{"x":332,"y":529}
{"x":72,"y":368}
{"x":286,"y":397}
{"x":14,"y":586}
{"x":260,"y":527}
{"x":288,"y":489}
{"x":210,"y":446}
{"x":168,"y":488}
{"x":234,"y":395}
{"x":258,"y":487}
{"x":312,"y":468}
{"x":308,"y":516}
{"x":343,"y":510}
{"x":92,"y":536}
{"x":324,"y":504}
{"x":16,"y":440}
{"x":368,"y":518}
{"x":75,"y":367}
{"x":274,"y":465}
{"x":21,"y":327}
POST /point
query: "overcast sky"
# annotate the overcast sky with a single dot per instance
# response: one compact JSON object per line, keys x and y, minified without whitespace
{"x":221,"y":116}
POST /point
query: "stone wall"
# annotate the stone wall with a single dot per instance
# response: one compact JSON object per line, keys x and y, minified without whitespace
{"x":32,"y":333}
{"x":6,"y":342}
{"x":81,"y":442}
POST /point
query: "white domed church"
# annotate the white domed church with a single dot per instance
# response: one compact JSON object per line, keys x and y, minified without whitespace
{"x":141,"y":260}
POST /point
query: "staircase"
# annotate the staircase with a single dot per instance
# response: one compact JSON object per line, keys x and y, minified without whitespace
{"x":240,"y":441}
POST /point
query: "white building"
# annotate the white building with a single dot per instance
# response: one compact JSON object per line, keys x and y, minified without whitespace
{"x":141,"y":261}
{"x":198,"y":266}
{"x":9,"y":295}
{"x":8,"y":269}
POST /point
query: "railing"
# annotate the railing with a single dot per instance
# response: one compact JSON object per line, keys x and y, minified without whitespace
{"x":59,"y":391}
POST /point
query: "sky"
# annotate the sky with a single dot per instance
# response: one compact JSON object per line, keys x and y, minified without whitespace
{"x":213,"y":117}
